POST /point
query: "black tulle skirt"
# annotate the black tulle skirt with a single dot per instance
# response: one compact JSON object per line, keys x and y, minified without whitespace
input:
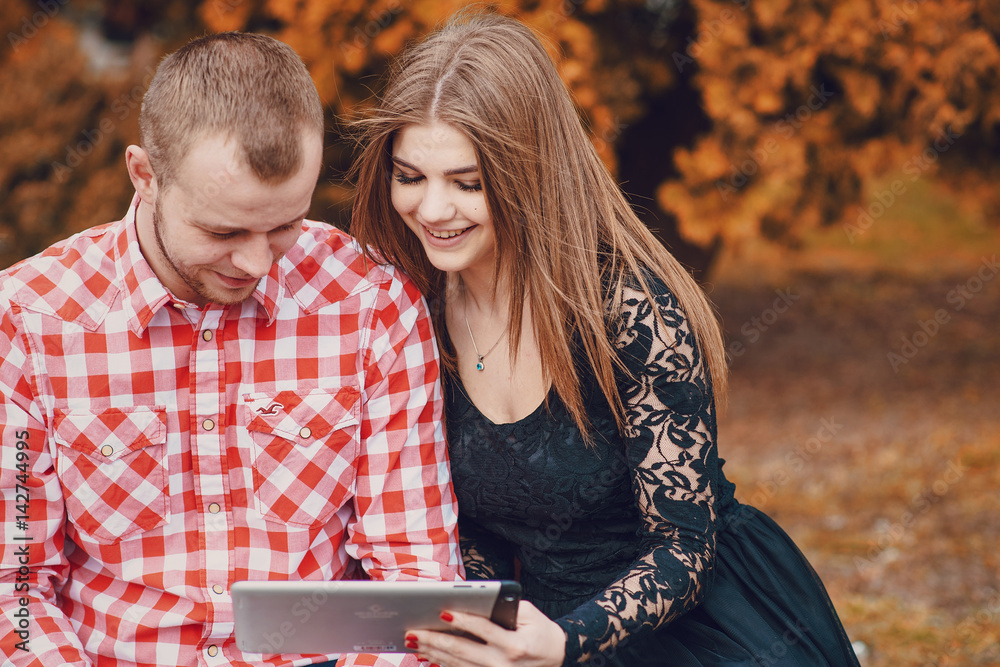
{"x":765,"y":607}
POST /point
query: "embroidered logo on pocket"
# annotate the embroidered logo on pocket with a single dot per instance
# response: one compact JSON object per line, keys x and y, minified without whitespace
{"x":271,"y":409}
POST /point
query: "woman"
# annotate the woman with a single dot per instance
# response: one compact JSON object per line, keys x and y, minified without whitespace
{"x":582,"y":363}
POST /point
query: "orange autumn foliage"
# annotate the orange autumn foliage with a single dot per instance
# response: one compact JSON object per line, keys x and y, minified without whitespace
{"x":726,"y":120}
{"x":809,"y":100}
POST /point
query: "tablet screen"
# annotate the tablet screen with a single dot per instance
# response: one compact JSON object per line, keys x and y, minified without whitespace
{"x":358,"y":616}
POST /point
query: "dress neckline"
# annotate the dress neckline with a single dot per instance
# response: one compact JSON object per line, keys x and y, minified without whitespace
{"x":530,"y":417}
{"x":457,"y":378}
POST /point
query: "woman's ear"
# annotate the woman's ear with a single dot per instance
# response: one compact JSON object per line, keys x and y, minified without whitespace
{"x":140,"y":172}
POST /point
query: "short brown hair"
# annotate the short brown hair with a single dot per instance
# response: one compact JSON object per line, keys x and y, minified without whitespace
{"x":251,"y":88}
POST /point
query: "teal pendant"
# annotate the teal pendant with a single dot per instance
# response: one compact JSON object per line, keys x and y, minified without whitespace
{"x":479,"y":364}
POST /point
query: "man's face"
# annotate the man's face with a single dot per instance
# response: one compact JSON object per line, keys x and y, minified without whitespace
{"x":219,"y":229}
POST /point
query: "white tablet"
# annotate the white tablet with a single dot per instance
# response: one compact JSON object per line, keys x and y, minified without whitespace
{"x":358,"y":616}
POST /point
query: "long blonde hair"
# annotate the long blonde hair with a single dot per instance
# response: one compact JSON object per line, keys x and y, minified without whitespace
{"x":566,"y":237}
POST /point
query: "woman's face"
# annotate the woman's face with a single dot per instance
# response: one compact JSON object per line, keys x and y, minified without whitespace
{"x":437,"y":190}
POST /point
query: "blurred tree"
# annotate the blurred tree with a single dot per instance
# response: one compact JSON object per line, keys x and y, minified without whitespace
{"x":807,"y":100}
{"x":47,"y":100}
{"x":66,"y":115}
{"x":725,"y":120}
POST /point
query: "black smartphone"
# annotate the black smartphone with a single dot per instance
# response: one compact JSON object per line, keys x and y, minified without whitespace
{"x":505,"y":608}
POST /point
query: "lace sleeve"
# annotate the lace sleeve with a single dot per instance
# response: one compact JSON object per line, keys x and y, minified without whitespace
{"x":483,"y":555}
{"x":670,"y":445}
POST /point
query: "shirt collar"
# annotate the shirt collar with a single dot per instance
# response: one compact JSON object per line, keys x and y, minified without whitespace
{"x":145,"y":295}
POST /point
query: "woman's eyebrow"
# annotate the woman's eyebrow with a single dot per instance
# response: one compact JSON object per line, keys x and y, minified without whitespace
{"x":403,"y":163}
{"x":449,"y":172}
{"x":462,"y":170}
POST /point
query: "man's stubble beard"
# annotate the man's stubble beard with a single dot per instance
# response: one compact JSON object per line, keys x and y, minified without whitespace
{"x":185,"y":275}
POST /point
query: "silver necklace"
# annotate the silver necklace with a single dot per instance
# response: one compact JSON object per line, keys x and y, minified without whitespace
{"x":479,"y":357}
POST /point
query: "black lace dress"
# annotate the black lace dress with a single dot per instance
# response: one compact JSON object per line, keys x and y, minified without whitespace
{"x":636,"y":545}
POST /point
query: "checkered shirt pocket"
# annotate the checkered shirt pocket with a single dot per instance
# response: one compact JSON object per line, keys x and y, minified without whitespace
{"x":304,"y":452}
{"x":112,"y":466}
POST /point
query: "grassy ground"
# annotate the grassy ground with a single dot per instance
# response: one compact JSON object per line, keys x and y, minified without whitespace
{"x":865,"y":417}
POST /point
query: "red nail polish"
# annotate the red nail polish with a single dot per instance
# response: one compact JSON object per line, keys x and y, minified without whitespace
{"x":411,"y":645}
{"x":446,"y":617}
{"x":410,"y":637}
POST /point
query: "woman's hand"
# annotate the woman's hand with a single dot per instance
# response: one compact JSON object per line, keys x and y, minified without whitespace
{"x":537,"y":641}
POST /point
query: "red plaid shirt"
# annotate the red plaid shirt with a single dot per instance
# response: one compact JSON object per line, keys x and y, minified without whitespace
{"x":154,"y":452}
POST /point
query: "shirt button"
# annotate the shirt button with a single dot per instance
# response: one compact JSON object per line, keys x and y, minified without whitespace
{"x":178,"y":306}
{"x":214,"y":508}
{"x":207,"y":335}
{"x":305,"y":432}
{"x":107,"y":450}
{"x":217,"y":589}
{"x":208,"y":424}
{"x":213,"y":650}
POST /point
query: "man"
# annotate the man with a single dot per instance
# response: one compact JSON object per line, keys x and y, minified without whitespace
{"x":210,"y":390}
